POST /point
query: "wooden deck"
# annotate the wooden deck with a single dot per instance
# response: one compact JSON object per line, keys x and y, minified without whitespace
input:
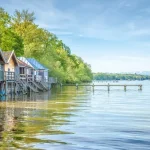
{"x":10,"y":82}
{"x":105,"y":85}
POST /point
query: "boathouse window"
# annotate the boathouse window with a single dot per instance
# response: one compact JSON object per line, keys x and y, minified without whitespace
{"x":22,"y":71}
{"x":29,"y":71}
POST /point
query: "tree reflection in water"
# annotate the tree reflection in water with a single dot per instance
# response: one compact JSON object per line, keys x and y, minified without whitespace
{"x":22,"y":118}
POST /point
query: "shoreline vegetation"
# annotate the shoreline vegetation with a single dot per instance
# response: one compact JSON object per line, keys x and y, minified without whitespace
{"x":20,"y":33}
{"x":119,"y":76}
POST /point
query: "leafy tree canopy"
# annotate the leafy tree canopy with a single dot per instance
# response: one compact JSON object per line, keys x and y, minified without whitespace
{"x":20,"y":33}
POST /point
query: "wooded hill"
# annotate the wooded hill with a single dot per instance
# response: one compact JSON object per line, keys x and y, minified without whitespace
{"x":20,"y":33}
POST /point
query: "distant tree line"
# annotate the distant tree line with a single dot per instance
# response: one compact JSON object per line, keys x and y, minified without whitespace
{"x":116,"y":76}
{"x":20,"y":33}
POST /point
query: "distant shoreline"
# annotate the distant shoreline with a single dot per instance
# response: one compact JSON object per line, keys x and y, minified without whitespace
{"x":118,"y":77}
{"x":123,"y":80}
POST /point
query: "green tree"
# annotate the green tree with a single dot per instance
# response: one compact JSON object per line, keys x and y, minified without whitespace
{"x":20,"y":33}
{"x":9,"y":40}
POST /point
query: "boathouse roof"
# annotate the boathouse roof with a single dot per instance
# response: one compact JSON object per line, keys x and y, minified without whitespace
{"x":23,"y":64}
{"x":7,"y":56}
{"x":37,"y":65}
{"x":23,"y":59}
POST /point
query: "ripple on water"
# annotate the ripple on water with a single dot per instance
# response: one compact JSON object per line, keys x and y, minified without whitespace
{"x":78,"y":120}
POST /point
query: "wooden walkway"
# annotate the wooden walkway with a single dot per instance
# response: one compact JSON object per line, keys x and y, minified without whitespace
{"x":104,"y":85}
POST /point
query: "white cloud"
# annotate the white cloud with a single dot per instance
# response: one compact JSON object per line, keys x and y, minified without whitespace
{"x":101,"y":20}
{"x":119,"y":21}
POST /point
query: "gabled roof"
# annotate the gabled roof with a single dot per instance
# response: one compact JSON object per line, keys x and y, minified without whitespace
{"x":7,"y":56}
{"x":1,"y":53}
{"x":23,"y":59}
{"x":23,"y":64}
{"x":36,"y":64}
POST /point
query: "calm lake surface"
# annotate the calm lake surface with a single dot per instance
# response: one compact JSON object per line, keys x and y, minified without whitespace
{"x":82,"y":119}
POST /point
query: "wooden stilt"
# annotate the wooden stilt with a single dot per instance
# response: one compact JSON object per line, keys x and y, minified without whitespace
{"x":140,"y":87}
{"x":125,"y":87}
{"x":93,"y":86}
{"x":11,"y":87}
{"x":6,"y":88}
{"x":77,"y":86}
{"x":61,"y":85}
{"x":108,"y":87}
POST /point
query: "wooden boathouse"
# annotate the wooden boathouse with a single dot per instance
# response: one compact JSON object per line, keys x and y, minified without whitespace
{"x":20,"y":75}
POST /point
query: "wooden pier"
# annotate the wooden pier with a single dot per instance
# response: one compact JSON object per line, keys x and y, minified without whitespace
{"x":104,"y":85}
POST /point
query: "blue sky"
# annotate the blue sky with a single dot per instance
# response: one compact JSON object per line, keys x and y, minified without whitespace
{"x":111,"y":35}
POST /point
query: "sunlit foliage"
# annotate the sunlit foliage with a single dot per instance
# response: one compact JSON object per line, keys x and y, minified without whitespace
{"x":20,"y":33}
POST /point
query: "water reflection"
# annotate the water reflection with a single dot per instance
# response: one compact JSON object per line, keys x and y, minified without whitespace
{"x":30,"y":96}
{"x":70,"y":119}
{"x":24,"y":117}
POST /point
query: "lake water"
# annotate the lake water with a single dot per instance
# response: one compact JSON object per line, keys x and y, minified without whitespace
{"x":83,"y":119}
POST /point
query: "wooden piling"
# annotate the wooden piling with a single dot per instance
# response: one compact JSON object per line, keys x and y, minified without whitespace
{"x":140,"y":87}
{"x":108,"y":87}
{"x":6,"y":88}
{"x":60,"y":85}
{"x":125,"y":87}
{"x":93,"y":86}
{"x":12,"y":88}
{"x":15,"y":88}
{"x":77,"y":86}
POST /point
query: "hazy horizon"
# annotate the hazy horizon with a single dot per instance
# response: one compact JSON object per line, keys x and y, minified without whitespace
{"x":146,"y":72}
{"x":112,"y":36}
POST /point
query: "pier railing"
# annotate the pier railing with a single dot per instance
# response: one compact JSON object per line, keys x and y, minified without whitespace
{"x":23,"y":76}
{"x":12,"y":76}
{"x":9,"y":75}
{"x":104,"y":85}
